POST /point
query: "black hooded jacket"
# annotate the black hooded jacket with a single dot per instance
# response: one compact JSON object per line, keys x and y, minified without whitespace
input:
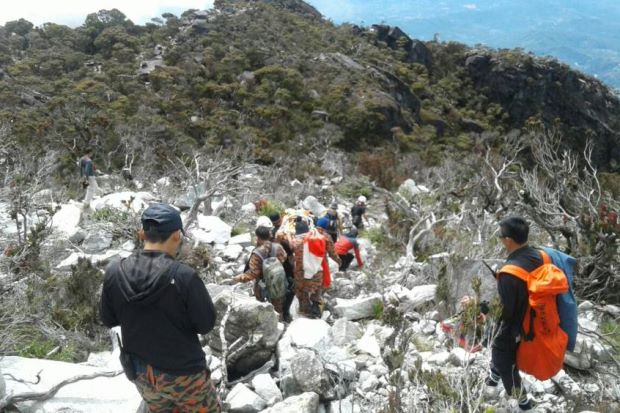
{"x":161,"y":306}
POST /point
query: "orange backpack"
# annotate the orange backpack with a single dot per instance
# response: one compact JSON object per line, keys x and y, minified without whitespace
{"x":543,"y":343}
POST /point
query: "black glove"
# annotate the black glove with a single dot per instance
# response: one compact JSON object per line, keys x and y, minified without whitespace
{"x":484,"y":307}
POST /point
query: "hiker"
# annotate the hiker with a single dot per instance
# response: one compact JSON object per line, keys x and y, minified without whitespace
{"x":161,"y":306}
{"x":309,"y":287}
{"x":513,"y":294}
{"x":283,"y":239}
{"x":334,"y":227}
{"x":87,"y":176}
{"x":345,"y":244}
{"x":358,"y":212}
{"x":265,"y":248}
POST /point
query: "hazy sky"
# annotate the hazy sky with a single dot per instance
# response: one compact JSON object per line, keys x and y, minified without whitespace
{"x":73,"y":12}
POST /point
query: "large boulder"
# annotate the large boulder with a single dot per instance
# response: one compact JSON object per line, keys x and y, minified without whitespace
{"x":409,"y":300}
{"x":265,"y":386}
{"x":309,"y":372}
{"x":210,"y":230}
{"x":99,"y":395}
{"x":311,"y":335}
{"x":303,"y":403}
{"x":313,"y":205}
{"x":252,"y":322}
{"x":97,"y":241}
{"x":243,"y":400}
{"x":345,"y":332}
{"x":124,"y":201}
{"x":409,"y":188}
{"x":66,"y":220}
{"x":360,"y":308}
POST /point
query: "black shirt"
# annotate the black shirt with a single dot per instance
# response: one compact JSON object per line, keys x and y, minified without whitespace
{"x":161,"y":306}
{"x":513,"y":291}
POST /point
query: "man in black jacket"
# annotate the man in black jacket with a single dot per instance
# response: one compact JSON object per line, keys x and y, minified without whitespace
{"x":514,"y":232}
{"x":162,"y":306}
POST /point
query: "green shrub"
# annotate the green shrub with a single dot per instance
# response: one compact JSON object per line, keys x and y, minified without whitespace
{"x":377,"y":310}
{"x":40,"y":347}
{"x":376,"y":235}
{"x":79,"y":309}
{"x":611,"y":330}
{"x":271,"y":207}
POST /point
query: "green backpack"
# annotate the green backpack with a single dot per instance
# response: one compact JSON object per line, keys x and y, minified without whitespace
{"x":274,"y":276}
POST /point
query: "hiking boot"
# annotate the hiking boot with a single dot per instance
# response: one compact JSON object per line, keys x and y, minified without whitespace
{"x":526,"y":403}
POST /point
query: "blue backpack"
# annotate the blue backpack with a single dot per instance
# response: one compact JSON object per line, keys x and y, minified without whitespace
{"x":567,"y":305}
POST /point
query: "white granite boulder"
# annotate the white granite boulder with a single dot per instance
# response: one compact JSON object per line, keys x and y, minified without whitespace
{"x":303,"y":403}
{"x":265,"y":386}
{"x":252,"y":325}
{"x":66,"y":220}
{"x":360,"y":308}
{"x":243,"y":400}
{"x":211,"y":229}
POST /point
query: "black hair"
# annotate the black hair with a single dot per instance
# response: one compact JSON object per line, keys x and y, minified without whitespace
{"x":516,"y":228}
{"x":153,"y":234}
{"x":263,"y":233}
{"x":301,"y":227}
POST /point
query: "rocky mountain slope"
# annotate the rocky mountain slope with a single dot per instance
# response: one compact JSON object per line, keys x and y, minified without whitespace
{"x":379,"y":347}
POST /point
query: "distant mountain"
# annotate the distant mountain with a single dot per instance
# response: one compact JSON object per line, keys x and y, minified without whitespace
{"x":276,"y":79}
{"x":584,"y":34}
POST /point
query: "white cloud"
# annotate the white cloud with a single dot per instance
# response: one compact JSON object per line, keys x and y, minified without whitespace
{"x":471,"y":6}
{"x":73,"y":12}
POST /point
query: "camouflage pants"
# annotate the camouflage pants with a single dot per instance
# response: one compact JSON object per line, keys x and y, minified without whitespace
{"x":166,"y":393}
{"x":309,"y":293}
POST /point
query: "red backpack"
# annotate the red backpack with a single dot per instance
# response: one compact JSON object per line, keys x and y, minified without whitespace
{"x":543,"y":342}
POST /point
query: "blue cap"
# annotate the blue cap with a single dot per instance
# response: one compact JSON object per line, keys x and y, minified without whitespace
{"x":167,"y":217}
{"x":323,"y":222}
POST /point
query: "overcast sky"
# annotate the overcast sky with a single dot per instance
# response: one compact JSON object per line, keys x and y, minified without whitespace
{"x":73,"y":12}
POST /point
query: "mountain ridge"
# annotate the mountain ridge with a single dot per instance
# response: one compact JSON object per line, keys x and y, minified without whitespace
{"x":263,"y":74}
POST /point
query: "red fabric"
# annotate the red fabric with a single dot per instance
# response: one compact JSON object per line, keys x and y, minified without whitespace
{"x":344,"y":245}
{"x":327,"y":277}
{"x":317,"y":246}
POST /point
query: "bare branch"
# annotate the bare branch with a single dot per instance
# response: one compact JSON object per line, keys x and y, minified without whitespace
{"x":11,"y":400}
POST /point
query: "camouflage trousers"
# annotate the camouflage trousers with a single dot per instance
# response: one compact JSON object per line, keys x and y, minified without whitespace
{"x":309,"y":293}
{"x":166,"y":393}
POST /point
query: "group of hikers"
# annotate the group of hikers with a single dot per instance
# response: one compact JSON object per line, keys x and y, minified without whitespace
{"x":281,"y":265}
{"x":161,"y":305}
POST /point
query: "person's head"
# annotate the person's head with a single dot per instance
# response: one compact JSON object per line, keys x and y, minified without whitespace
{"x":361,"y":200}
{"x":352,"y":233}
{"x":276,"y":220}
{"x":334,"y":206}
{"x":264,"y":221}
{"x":262,"y":234}
{"x":162,"y":228}
{"x":323,"y":223}
{"x":514,"y":232}
{"x":301,"y":227}
{"x":89,"y":152}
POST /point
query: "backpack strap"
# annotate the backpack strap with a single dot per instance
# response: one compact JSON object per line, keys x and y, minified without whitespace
{"x":545,"y":257}
{"x":516,"y":271}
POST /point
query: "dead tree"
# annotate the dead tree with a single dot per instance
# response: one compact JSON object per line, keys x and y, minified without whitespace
{"x":210,"y":176}
{"x":562,"y":194}
{"x":10,"y":401}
